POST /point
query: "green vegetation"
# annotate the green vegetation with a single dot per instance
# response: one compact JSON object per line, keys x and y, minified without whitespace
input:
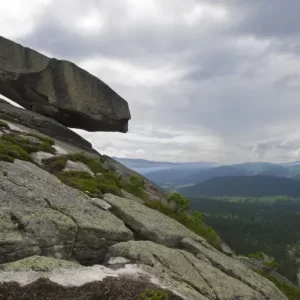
{"x":193,"y":221}
{"x":271,"y":265}
{"x":244,"y":186}
{"x":27,"y":144}
{"x":96,"y":186}
{"x":179,"y":203}
{"x":136,"y":186}
{"x":262,"y":200}
{"x":105,"y":181}
{"x":259,"y":255}
{"x":3,"y":124}
{"x":150,"y":294}
{"x":290,"y":291}
{"x":10,"y":151}
{"x":57,"y":164}
{"x":250,"y":226}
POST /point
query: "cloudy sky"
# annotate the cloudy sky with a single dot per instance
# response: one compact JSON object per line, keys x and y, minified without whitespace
{"x":205,"y":80}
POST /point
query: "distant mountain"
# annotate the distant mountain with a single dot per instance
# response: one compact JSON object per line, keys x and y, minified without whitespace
{"x":244,"y":186}
{"x":263,"y":168}
{"x":146,"y":166}
{"x":222,"y":171}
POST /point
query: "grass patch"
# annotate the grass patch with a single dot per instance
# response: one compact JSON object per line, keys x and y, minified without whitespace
{"x":135,"y":185}
{"x":56,"y":164}
{"x":151,"y":294}
{"x":3,"y":124}
{"x":95,"y":185}
{"x":28,"y":145}
{"x":10,"y":151}
{"x":290,"y":291}
{"x":193,"y":222}
{"x":45,"y":140}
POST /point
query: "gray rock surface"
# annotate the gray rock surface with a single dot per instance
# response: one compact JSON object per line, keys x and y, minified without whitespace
{"x":77,"y":166}
{"x":39,"y":156}
{"x":101,"y":203}
{"x":38,"y":264}
{"x":206,"y":280}
{"x":42,"y":124}
{"x":56,"y":221}
{"x":60,"y":90}
{"x":149,"y":223}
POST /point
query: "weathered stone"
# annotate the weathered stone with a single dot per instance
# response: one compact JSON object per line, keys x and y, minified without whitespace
{"x":131,"y":197}
{"x":56,"y":221}
{"x":42,"y":124}
{"x":209,"y":281}
{"x":60,"y":90}
{"x":149,"y":223}
{"x":233,"y":268}
{"x":39,"y":264}
{"x":101,"y":203}
{"x":77,"y":166}
{"x":39,"y":156}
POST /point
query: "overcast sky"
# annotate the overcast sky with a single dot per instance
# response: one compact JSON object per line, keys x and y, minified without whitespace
{"x":205,"y":80}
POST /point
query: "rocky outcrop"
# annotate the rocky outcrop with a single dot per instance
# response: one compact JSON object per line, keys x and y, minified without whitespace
{"x":56,"y":221}
{"x":42,"y":124}
{"x":148,"y":223}
{"x":203,"y":278}
{"x":50,"y":229}
{"x":60,"y":90}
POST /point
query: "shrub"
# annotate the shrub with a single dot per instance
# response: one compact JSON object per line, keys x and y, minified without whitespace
{"x":136,"y":186}
{"x":257,"y":255}
{"x":271,"y":265}
{"x":180,"y":203}
{"x":150,"y":294}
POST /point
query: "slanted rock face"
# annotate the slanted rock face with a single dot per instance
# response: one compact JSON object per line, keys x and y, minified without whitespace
{"x":204,"y":280}
{"x":60,"y":90}
{"x":41,"y":216}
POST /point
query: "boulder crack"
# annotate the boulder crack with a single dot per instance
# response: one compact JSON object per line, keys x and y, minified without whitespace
{"x":70,"y":217}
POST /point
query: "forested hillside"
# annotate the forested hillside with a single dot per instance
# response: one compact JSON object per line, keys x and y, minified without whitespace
{"x":245,"y":186}
{"x":272,"y":227}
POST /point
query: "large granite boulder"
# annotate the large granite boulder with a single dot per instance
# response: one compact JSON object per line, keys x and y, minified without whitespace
{"x":41,"y":123}
{"x":39,"y":215}
{"x":60,"y":90}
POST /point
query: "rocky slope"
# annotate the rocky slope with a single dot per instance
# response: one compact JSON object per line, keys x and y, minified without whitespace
{"x":75,"y":224}
{"x":41,"y":216}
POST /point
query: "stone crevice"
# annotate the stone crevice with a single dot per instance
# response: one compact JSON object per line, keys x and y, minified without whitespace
{"x":71,"y":217}
{"x":212,"y":288}
{"x":180,"y":279}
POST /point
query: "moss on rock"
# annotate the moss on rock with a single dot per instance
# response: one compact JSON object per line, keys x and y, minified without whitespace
{"x":10,"y":151}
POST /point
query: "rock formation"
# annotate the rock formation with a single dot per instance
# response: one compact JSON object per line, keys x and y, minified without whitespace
{"x":75,"y":224}
{"x":60,"y":90}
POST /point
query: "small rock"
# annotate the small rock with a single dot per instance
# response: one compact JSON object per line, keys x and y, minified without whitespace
{"x":118,"y":261}
{"x":77,"y":166}
{"x":59,"y":150}
{"x":39,"y":156}
{"x":101,"y":203}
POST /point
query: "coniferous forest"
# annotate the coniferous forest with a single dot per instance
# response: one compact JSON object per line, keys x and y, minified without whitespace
{"x":258,"y":224}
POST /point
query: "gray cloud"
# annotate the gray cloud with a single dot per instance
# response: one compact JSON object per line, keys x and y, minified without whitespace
{"x":205,"y":80}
